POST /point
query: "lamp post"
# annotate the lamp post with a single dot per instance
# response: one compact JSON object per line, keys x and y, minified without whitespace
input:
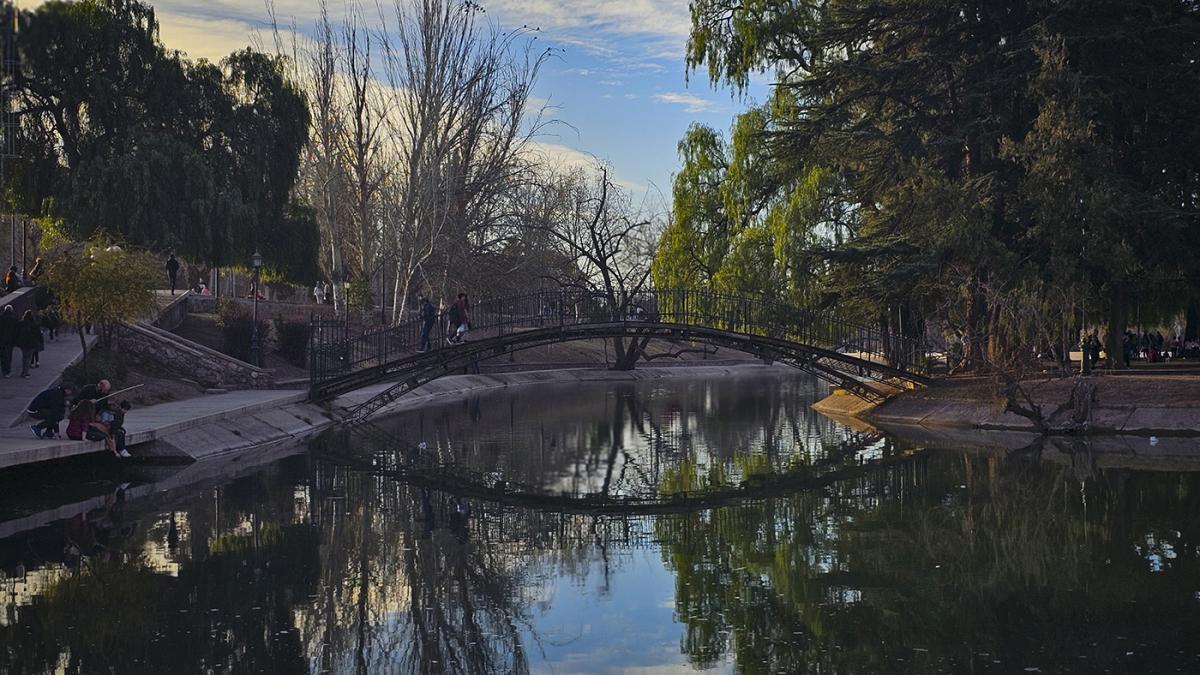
{"x":255,"y":345}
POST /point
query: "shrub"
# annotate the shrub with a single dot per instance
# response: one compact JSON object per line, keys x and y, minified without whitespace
{"x":291,"y":338}
{"x":237,"y":331}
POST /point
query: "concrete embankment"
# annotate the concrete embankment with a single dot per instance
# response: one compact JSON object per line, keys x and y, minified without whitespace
{"x":188,"y":430}
{"x":227,"y":424}
{"x":1158,"y":407}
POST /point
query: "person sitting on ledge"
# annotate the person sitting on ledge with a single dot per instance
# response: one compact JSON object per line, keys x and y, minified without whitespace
{"x":96,"y":392}
{"x":108,"y":427}
{"x":50,"y":407}
{"x":82,"y":414}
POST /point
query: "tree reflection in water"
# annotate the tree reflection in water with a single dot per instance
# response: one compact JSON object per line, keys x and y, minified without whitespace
{"x":959,"y":562}
{"x":924,"y":561}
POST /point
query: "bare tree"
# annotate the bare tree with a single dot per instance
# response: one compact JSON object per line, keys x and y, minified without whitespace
{"x":458,"y":99}
{"x":612,"y":243}
{"x":322,"y":172}
{"x":362,"y":141}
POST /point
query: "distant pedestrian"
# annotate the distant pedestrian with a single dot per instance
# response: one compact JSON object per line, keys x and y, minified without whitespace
{"x":50,"y":407}
{"x":41,"y":342}
{"x":318,"y":293}
{"x":172,"y":271}
{"x":35,"y":274}
{"x":9,"y":326}
{"x":51,"y":321}
{"x":456,"y":320}
{"x":12,"y":280}
{"x":29,"y":336}
{"x":428,"y":315}
{"x":465,"y":326}
{"x":327,"y":293}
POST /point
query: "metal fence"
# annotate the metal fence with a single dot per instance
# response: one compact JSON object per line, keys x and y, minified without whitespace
{"x":335,"y":352}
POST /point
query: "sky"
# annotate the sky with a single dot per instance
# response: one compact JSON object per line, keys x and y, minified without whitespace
{"x":619,"y":87}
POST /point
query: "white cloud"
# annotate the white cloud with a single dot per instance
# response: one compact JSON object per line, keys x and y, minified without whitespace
{"x":631,"y":96}
{"x":690,"y":103}
{"x":203,"y":38}
{"x":663,"y":18}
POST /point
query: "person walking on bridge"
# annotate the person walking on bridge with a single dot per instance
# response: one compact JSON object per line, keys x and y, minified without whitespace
{"x":428,"y":315}
{"x":172,"y":267}
{"x":457,"y":320}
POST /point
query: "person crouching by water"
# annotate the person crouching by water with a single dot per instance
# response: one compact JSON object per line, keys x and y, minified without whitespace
{"x":50,"y":407}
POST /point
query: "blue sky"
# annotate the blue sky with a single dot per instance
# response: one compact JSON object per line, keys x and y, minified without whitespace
{"x":619,"y":87}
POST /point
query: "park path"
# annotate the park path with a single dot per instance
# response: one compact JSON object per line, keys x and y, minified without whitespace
{"x":16,"y":392}
{"x":200,"y":418}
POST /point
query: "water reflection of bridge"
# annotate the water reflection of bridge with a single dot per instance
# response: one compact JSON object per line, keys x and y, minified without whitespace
{"x":862,"y":457}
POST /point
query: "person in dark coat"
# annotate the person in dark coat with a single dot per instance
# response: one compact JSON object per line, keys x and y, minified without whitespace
{"x":29,"y":337}
{"x":172,"y":267}
{"x":50,"y":407}
{"x":8,"y":338}
{"x":12,"y":280}
{"x":95,"y":392}
{"x":428,"y":317}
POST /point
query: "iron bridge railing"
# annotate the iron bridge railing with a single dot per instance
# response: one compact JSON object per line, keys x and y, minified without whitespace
{"x":335,"y":352}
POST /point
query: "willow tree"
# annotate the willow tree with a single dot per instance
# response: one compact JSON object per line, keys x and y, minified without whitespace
{"x":120,"y":135}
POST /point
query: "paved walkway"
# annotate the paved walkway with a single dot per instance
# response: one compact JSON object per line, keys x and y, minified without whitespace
{"x":18,"y":446}
{"x":16,"y":392}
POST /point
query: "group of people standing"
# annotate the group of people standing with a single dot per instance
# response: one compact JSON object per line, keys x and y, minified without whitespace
{"x":16,"y":279}
{"x":322,"y":293}
{"x":27,"y":333}
{"x":89,"y":413}
{"x":458,"y":321}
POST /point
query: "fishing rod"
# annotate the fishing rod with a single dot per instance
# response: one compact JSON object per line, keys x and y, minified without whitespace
{"x":119,"y":392}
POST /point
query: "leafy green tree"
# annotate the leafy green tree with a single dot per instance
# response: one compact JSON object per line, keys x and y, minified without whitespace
{"x":938,"y":155}
{"x":100,"y":283}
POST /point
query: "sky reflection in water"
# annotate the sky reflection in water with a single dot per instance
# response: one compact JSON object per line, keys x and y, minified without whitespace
{"x":870,"y":555}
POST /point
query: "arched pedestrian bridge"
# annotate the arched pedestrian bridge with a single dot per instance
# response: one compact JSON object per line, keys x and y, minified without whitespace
{"x":855,"y":357}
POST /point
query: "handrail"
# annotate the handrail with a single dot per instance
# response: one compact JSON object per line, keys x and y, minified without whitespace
{"x":335,"y":353}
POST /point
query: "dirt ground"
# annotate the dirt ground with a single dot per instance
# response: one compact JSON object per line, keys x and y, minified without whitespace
{"x":157,"y":387}
{"x":1166,"y":390}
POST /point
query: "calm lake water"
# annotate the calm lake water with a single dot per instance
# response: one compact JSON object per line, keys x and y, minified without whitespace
{"x":713,"y":525}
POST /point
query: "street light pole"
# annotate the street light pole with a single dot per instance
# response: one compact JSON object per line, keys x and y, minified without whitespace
{"x":255,"y":344}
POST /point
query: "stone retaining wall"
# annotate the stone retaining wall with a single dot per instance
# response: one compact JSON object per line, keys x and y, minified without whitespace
{"x":171,"y":316}
{"x":267,"y":310}
{"x":207,"y":366}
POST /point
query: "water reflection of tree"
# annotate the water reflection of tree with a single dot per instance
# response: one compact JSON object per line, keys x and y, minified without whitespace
{"x":617,"y":439}
{"x":241,"y":570}
{"x":407,"y":586}
{"x":941,"y":565}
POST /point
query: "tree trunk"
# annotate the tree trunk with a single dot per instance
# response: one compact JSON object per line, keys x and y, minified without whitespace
{"x":1116,"y":327}
{"x":83,"y":344}
{"x":977,"y":315}
{"x":1192,"y":327}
